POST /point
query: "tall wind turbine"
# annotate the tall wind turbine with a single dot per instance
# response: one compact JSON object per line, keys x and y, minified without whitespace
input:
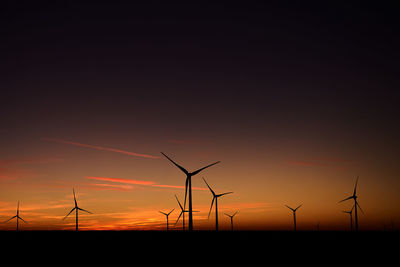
{"x":76,"y":208}
{"x":354,"y":197}
{"x":350,"y":212}
{"x":294,"y":214}
{"x":231,"y":217}
{"x":16,"y":216}
{"x":188,"y":186}
{"x":215,"y":197}
{"x":167,"y":214}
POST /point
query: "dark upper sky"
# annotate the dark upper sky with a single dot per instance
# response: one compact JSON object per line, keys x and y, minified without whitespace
{"x":211,"y":63}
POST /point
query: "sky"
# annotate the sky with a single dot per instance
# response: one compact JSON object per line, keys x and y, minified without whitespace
{"x":295,"y":100}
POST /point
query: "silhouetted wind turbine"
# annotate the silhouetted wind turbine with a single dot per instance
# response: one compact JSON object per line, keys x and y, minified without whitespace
{"x":351,"y":217}
{"x":215,"y":197}
{"x":188,"y":186}
{"x":231,"y":216}
{"x":182,"y":214}
{"x":76,"y":208}
{"x":16,"y":216}
{"x":294,"y":214}
{"x":354,"y":197}
{"x":167,"y":214}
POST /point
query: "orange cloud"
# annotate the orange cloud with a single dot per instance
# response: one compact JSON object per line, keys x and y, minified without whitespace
{"x":101,"y":148}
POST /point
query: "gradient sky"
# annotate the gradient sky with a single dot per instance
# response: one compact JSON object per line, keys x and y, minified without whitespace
{"x":294,"y":100}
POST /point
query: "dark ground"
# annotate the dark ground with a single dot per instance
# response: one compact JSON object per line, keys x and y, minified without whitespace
{"x":248,"y":248}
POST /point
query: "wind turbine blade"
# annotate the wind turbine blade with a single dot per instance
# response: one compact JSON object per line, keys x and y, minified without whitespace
{"x":176,"y":164}
{"x":345,"y":199}
{"x":162,"y":213}
{"x":76,"y":204}
{"x":69,"y":213}
{"x":21,"y":219}
{"x":355,"y":187}
{"x":209,"y":187}
{"x":171,"y":211}
{"x":18,"y":208}
{"x":289,"y":207}
{"x":85,"y":210}
{"x":212,"y":203}
{"x":10,"y":219}
{"x":199,"y":170}
{"x":179,"y":203}
{"x":358,"y":205}
{"x":298,"y":207}
{"x":235,"y":213}
{"x":228,"y":215}
{"x":179,"y":217}
{"x":220,"y":195}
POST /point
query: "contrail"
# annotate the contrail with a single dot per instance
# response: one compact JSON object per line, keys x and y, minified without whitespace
{"x":101,"y":148}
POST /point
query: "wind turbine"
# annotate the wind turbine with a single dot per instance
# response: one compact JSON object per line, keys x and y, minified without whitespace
{"x":76,"y":208}
{"x":16,"y":216}
{"x":167,"y":214}
{"x":351,"y":217}
{"x":182,"y":214}
{"x":354,"y":197}
{"x":215,"y":197}
{"x":188,"y":186}
{"x":231,"y":217}
{"x":294,"y":214}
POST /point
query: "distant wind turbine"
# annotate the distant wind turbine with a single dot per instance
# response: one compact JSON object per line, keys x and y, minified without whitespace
{"x":350,"y":212}
{"x":231,"y":217}
{"x":354,"y":197}
{"x":188,"y":186}
{"x":294,"y":214}
{"x":167,"y":214}
{"x":215,"y":197}
{"x":76,"y":208}
{"x":183,"y":211}
{"x":16,"y":216}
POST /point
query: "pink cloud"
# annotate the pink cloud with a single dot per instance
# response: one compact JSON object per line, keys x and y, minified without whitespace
{"x":121,"y":180}
{"x":101,"y":148}
{"x":140,"y":182}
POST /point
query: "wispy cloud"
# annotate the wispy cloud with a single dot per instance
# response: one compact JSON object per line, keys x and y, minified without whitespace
{"x":139,"y":182}
{"x":121,"y":180}
{"x":61,"y":141}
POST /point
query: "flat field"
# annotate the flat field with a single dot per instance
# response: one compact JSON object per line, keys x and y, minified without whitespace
{"x":205,"y":248}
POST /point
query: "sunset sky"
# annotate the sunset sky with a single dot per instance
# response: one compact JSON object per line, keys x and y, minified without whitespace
{"x":296,"y":101}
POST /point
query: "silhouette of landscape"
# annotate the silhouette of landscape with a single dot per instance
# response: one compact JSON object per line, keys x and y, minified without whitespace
{"x":280,"y":248}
